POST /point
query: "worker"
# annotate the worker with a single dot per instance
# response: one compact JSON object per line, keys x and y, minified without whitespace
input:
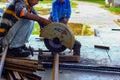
{"x":17,"y":24}
{"x":61,"y":12}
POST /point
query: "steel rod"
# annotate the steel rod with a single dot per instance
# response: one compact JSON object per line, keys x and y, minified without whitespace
{"x":80,"y":67}
{"x":55,"y":69}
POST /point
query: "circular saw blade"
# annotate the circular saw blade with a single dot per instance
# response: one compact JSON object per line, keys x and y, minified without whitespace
{"x":54,"y":45}
{"x":60,"y":31}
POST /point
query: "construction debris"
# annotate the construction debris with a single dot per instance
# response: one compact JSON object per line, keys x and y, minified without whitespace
{"x":102,"y":47}
{"x":117,"y":22}
{"x":116,"y":29}
{"x":48,"y":57}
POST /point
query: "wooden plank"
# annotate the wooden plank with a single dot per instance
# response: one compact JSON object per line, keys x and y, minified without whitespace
{"x":40,"y":68}
{"x":19,"y":70}
{"x":17,"y":76}
{"x":23,"y":77}
{"x":9,"y":76}
{"x":102,"y":47}
{"x":116,"y":29}
{"x":117,"y":22}
{"x":22,"y":60}
{"x":21,"y":66}
{"x":33,"y":76}
{"x":63,"y":58}
{"x":24,"y":63}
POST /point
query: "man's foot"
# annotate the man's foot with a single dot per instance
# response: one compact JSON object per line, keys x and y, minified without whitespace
{"x":18,"y":52}
{"x":76,"y":48}
{"x":25,"y":47}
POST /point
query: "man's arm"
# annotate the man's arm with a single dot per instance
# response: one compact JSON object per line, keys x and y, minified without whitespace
{"x":54,"y":12}
{"x":22,"y":12}
{"x":37,"y":18}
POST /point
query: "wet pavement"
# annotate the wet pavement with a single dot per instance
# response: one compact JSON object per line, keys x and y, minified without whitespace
{"x":102,"y":20}
{"x":89,"y":56}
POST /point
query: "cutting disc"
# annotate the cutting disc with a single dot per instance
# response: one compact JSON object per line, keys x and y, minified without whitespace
{"x":54,"y":45}
{"x":58,"y":37}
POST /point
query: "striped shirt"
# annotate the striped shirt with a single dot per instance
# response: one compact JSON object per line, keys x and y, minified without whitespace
{"x":16,"y":10}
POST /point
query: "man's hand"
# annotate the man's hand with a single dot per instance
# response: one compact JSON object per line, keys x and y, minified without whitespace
{"x":46,"y":22}
{"x":66,"y":21}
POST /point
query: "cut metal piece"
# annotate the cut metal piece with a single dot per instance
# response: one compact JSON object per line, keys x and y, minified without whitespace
{"x":102,"y":47}
{"x":55,"y":69}
{"x":116,"y":29}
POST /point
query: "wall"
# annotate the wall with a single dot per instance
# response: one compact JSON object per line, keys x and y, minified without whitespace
{"x":113,"y":3}
{"x":116,"y":3}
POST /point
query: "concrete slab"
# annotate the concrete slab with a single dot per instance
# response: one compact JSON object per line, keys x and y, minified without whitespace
{"x":89,"y":56}
{"x":81,"y":75}
{"x":90,"y":14}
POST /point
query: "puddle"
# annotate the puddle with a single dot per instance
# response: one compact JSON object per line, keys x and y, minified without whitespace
{"x":81,"y":30}
{"x":45,"y":11}
{"x":77,"y":28}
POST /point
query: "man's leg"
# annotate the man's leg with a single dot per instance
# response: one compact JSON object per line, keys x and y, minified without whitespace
{"x":18,"y":35}
{"x":62,"y":20}
{"x":77,"y":44}
{"x":76,"y":48}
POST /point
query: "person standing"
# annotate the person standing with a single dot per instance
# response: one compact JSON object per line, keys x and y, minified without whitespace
{"x":61,"y":12}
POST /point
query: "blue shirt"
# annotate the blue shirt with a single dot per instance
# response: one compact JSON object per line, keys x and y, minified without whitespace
{"x":60,"y":10}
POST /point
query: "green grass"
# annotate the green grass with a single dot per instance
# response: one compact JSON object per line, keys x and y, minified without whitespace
{"x":45,"y":2}
{"x":42,"y":11}
{"x":73,"y":4}
{"x":95,"y":1}
{"x":36,"y":29}
{"x":114,"y":10}
{"x":88,"y":31}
